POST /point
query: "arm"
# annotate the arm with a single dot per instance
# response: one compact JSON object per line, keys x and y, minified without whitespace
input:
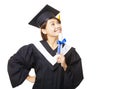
{"x":74,"y":73}
{"x":19,"y":66}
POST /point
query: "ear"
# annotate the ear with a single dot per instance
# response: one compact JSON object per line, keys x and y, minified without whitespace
{"x":43,"y":31}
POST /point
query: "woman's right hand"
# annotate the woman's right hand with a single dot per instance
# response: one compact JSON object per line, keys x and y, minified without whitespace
{"x":31,"y":78}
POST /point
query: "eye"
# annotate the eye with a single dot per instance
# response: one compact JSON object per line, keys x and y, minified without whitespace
{"x":57,"y":22}
{"x":53,"y":24}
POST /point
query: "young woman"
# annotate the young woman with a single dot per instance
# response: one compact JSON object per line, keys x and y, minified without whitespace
{"x":52,"y":70}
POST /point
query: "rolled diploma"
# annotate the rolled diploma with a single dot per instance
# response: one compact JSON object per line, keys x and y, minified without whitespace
{"x":60,"y":38}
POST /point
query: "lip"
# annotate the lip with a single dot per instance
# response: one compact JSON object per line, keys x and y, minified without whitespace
{"x":58,"y":30}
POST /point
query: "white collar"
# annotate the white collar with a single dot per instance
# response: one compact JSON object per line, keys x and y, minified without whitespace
{"x":50,"y":58}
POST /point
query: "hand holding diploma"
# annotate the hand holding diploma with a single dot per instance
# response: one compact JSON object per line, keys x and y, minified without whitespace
{"x":61,"y":57}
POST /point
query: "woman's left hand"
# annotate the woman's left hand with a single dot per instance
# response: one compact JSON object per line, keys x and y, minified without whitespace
{"x":61,"y":60}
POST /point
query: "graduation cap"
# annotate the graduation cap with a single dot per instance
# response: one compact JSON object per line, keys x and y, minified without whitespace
{"x":46,"y":13}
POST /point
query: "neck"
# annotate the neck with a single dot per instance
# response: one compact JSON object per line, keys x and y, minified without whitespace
{"x":52,"y":43}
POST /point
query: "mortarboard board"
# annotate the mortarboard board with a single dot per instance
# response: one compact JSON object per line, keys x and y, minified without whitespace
{"x":46,"y":13}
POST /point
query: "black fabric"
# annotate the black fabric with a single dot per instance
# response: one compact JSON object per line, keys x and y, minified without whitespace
{"x":47,"y":76}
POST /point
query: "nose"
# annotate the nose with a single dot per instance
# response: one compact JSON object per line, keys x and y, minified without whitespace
{"x":58,"y":28}
{"x":58,"y":25}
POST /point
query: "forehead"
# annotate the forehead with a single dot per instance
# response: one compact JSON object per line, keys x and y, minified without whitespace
{"x":52,"y":20}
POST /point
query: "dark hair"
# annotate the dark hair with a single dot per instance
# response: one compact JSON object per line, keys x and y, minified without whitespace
{"x":43,"y":26}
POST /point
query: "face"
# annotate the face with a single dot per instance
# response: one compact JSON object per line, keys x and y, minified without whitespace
{"x":53,"y":28}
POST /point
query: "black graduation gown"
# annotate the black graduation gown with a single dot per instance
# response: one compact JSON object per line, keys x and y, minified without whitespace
{"x":48,"y":76}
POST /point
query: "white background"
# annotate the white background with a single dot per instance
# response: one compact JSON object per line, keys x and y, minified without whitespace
{"x":92,"y":26}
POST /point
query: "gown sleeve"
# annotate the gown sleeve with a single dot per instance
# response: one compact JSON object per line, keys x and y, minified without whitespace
{"x":19,"y":65}
{"x":74,"y":73}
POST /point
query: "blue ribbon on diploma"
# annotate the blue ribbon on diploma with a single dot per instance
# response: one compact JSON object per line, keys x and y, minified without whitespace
{"x":60,"y":43}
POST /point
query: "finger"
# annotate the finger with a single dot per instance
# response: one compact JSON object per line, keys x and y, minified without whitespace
{"x":58,"y":60}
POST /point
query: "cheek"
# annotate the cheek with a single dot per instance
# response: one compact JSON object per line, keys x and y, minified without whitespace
{"x":51,"y":29}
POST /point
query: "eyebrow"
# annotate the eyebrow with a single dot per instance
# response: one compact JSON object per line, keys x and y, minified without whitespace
{"x":53,"y":21}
